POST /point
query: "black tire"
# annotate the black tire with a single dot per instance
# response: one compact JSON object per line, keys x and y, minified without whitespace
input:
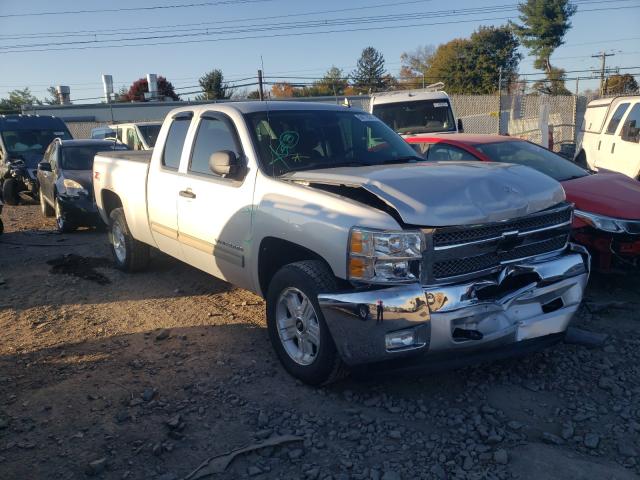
{"x":11,"y":191}
{"x":311,"y":277}
{"x":46,"y":209}
{"x":64,"y":222}
{"x":135,"y":256}
{"x":1,"y":227}
{"x":581,"y":160}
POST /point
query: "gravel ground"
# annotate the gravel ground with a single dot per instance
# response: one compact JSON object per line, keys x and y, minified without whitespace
{"x":146,"y":376}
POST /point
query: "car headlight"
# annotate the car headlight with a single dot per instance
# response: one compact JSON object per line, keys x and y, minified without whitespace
{"x":609,"y":224}
{"x":73,"y":188}
{"x":384,"y":257}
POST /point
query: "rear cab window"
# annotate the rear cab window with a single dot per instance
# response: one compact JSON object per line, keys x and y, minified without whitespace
{"x":175,"y":140}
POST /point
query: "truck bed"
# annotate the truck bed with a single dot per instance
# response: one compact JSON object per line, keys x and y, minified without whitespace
{"x":143,"y":156}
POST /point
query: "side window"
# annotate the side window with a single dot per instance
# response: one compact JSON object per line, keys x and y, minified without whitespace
{"x":214,"y":134}
{"x":421,"y":149}
{"x":132,"y":139}
{"x":615,"y":119}
{"x":443,"y":152}
{"x":175,"y":142}
{"x":631,"y":127}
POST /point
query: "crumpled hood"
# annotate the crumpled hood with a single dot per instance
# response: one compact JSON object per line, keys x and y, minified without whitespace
{"x":447,"y":193}
{"x":606,"y":193}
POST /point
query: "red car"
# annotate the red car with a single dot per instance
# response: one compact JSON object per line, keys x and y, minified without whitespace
{"x":607,"y":204}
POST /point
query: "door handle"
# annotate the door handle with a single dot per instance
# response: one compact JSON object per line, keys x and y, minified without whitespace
{"x":613,"y":147}
{"x":187,"y":194}
{"x":599,"y":143}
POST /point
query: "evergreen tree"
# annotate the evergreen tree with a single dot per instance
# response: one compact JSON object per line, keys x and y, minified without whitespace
{"x":369,"y":75}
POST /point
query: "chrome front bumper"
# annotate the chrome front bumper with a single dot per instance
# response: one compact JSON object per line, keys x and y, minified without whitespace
{"x":527,"y":300}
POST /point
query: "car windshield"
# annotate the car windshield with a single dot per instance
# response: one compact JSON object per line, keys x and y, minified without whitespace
{"x":81,"y":157}
{"x":150,"y":133}
{"x":421,"y":116}
{"x":534,"y":156}
{"x":307,"y":140}
{"x":32,"y":141}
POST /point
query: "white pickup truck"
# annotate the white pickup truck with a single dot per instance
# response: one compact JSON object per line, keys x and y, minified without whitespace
{"x":364,"y":253}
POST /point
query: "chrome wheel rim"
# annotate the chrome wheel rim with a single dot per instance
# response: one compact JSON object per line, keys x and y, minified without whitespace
{"x":118,"y":242}
{"x":298,"y":326}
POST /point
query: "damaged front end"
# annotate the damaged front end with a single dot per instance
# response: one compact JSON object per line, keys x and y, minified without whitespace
{"x":482,"y":287}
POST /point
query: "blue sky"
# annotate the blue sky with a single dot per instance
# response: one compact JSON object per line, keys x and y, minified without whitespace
{"x":611,"y":28}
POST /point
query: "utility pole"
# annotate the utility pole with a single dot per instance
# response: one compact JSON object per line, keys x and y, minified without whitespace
{"x":260,"y":87}
{"x":603,"y":56}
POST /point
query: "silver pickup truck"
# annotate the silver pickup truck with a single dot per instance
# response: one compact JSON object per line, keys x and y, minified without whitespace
{"x":364,"y":252}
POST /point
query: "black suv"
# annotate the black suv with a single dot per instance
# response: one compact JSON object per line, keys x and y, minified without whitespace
{"x":23,"y":139}
{"x":66,"y":183}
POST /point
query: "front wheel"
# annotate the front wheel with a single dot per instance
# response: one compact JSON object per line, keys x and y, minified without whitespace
{"x":297,"y":329}
{"x":11,"y":191}
{"x":63,"y":222}
{"x":129,"y":254}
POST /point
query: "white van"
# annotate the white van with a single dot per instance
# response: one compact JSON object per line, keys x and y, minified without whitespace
{"x":138,"y":135}
{"x":610,"y":135}
{"x":416,"y":111}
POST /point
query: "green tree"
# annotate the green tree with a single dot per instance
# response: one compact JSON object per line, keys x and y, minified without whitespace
{"x":53,"y":98}
{"x":333,"y":82}
{"x":17,"y":99}
{"x":370,"y":72}
{"x":214,"y":87}
{"x":621,"y":85}
{"x":415,"y":66}
{"x":544,"y":25}
{"x":473,"y":65}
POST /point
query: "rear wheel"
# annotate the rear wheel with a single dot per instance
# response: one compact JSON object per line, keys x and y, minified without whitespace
{"x":129,"y":254}
{"x":11,"y":191}
{"x":46,"y":209}
{"x":63,"y":222}
{"x":297,"y":329}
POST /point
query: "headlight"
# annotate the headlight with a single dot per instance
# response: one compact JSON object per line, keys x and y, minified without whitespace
{"x":609,"y":224}
{"x":384,"y":257}
{"x":73,"y":188}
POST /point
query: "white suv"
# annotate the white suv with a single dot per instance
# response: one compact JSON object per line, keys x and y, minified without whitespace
{"x":610,"y":135}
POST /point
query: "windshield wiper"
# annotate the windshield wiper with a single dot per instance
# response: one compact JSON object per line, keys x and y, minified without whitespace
{"x":319,"y":166}
{"x":404,"y":159}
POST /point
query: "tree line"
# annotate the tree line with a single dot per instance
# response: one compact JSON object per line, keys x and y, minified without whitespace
{"x":483,"y":63}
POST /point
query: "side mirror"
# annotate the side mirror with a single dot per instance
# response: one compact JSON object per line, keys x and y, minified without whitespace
{"x":224,"y":163}
{"x":460,"y":127}
{"x":44,"y":166}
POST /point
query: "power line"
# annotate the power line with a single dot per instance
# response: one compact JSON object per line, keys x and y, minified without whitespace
{"x":131,"y":9}
{"x":388,"y":27}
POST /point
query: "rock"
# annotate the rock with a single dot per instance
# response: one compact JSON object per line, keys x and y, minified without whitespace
{"x":391,"y":475}
{"x":591,"y":440}
{"x":174,"y":422}
{"x":263,"y":419}
{"x":468,"y":463}
{"x":501,"y":457}
{"x":395,"y":434}
{"x":438,"y":472}
{"x":253,"y":471}
{"x":97,"y":466}
{"x":148,"y":394}
{"x":163,"y":334}
{"x":625,"y":448}
{"x":514,"y":425}
{"x":4,"y":423}
{"x":122,"y":416}
{"x":567,"y":431}
{"x":295,"y":453}
{"x":552,"y":439}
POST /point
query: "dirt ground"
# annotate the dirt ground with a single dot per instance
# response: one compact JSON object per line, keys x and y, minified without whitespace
{"x":146,"y":376}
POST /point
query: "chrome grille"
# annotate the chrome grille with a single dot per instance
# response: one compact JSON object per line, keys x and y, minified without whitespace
{"x":480,"y":249}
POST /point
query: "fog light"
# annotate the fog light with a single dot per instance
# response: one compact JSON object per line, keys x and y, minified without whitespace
{"x":400,"y":339}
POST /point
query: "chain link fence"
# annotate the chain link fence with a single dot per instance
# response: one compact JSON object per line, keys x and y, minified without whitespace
{"x":516,"y":115}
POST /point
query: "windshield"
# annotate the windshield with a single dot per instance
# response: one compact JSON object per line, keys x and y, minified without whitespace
{"x":149,"y":133}
{"x":81,"y":157}
{"x":419,"y":116}
{"x":33,"y":141}
{"x":534,"y":156}
{"x":306,"y":140}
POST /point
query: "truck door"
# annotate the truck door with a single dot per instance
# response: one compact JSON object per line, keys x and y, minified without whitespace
{"x":214,"y":212}
{"x":607,"y":156}
{"x":163,"y":186}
